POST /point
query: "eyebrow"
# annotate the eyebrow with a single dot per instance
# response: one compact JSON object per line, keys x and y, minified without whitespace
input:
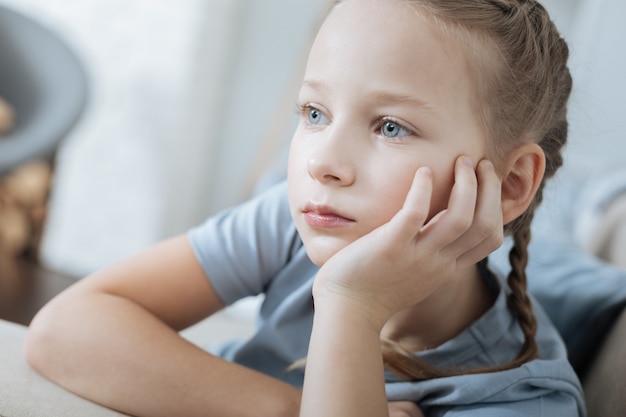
{"x":384,"y":97}
{"x":390,"y":97}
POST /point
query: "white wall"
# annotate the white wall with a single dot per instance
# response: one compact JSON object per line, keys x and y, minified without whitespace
{"x":181,"y":95}
{"x":595,"y":31}
{"x":260,"y":94}
{"x":598,"y":114}
{"x":107,"y":199}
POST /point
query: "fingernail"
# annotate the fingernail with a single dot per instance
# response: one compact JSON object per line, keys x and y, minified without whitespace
{"x":424,"y":171}
{"x":487,"y":164}
{"x":467,"y":161}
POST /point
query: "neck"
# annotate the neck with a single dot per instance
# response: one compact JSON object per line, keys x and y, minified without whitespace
{"x":441,"y":316}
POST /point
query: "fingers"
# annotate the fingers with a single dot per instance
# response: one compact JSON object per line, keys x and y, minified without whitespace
{"x":410,"y":219}
{"x":404,"y":409}
{"x":469,"y":228}
{"x":450,"y":224}
{"x":486,"y":231}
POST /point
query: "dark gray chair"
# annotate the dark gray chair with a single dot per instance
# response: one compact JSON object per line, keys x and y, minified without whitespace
{"x":45,"y":83}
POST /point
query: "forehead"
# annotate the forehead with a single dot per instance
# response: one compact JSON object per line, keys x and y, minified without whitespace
{"x":391,"y":44}
{"x":405,"y":20}
{"x":394,"y":33}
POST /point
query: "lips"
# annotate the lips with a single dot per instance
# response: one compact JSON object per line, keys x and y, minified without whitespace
{"x":320,"y":216}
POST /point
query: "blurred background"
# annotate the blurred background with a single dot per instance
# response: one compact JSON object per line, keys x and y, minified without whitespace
{"x":188,"y":110}
{"x":181,"y":99}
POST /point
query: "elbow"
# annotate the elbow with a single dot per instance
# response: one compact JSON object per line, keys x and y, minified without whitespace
{"x":43,"y":340}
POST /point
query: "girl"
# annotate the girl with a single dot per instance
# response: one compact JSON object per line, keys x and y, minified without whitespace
{"x":427,"y":129}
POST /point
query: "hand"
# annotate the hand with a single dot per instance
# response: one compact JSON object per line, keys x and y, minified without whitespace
{"x":405,"y":260}
{"x":404,"y":409}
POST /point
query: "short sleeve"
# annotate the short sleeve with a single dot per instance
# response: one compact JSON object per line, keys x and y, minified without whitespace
{"x":242,"y":248}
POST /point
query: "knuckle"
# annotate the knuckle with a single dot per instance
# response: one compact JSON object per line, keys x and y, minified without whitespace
{"x":495,"y":238}
{"x":460,"y":224}
{"x":417,"y":214}
{"x":487,"y":230}
{"x":498,"y":241}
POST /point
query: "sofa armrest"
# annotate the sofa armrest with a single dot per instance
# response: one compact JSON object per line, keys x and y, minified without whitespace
{"x":604,"y":381}
{"x":25,"y":393}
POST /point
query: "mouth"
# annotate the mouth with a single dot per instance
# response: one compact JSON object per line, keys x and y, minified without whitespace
{"x":320,"y":216}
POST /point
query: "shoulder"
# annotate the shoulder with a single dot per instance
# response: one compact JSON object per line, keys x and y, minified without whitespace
{"x":242,"y":248}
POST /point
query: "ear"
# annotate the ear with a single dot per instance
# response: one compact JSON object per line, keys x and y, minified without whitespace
{"x":521,"y":178}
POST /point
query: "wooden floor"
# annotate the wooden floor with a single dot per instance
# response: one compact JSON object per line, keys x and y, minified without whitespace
{"x":27,"y":289}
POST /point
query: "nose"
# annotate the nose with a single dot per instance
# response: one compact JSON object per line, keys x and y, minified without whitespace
{"x":332,"y":160}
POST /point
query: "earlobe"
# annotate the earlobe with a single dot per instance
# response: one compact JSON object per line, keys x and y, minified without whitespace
{"x":522,"y":177}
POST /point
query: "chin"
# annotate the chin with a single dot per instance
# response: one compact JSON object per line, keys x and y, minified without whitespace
{"x":318,"y":258}
{"x":320,"y":252}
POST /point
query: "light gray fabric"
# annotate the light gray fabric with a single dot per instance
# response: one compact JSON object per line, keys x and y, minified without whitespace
{"x":41,"y":77}
{"x":255,"y":249}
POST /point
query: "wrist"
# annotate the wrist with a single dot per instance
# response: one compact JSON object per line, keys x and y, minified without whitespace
{"x":355,"y":311}
{"x":344,"y":353}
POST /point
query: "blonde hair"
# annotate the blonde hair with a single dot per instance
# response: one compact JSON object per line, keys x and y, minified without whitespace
{"x":519,"y":62}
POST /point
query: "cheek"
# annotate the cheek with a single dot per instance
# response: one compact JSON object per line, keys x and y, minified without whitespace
{"x":386,"y":192}
{"x":392,"y":194}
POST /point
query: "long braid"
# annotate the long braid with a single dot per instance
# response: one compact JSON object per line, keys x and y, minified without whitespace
{"x":518,"y":299}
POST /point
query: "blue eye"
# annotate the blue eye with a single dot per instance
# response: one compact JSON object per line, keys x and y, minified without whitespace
{"x":316,"y":117}
{"x":393,"y":130}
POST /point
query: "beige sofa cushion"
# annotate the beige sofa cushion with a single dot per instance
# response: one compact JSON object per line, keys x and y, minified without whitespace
{"x":25,"y":393}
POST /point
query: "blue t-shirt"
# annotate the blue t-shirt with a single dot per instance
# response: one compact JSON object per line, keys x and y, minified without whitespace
{"x":255,"y":249}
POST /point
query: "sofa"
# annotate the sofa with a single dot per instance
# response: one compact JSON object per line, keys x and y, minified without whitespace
{"x":25,"y":393}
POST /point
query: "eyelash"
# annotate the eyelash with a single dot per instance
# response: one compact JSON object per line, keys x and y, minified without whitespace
{"x":383,"y":121}
{"x":302,"y":110}
{"x":299,"y":109}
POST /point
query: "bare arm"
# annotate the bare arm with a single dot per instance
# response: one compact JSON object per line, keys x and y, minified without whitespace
{"x":113,"y":338}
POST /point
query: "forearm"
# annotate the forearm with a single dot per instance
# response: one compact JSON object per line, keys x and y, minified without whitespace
{"x":114,"y":352}
{"x":344,"y":372}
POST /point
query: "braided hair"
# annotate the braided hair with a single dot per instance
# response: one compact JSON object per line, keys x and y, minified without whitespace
{"x":519,"y":62}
